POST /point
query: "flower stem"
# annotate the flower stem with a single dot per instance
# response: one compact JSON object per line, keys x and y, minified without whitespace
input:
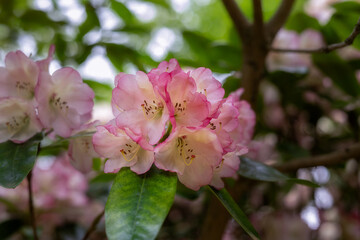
{"x":93,"y":225}
{"x":31,"y":206}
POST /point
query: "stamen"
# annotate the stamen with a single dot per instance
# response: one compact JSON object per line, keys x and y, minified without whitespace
{"x":123,"y":153}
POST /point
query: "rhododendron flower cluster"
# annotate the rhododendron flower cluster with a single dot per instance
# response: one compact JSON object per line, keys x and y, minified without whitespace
{"x":177,"y":120}
{"x":33,"y":100}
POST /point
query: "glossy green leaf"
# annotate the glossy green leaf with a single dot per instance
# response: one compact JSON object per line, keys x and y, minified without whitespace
{"x":339,"y":71}
{"x":301,"y":21}
{"x":235,"y":211}
{"x":17,"y":160}
{"x":259,"y":171}
{"x":138,"y":204}
{"x":104,"y":178}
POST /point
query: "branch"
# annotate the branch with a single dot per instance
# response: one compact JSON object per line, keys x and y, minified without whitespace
{"x":258,"y":18}
{"x":321,"y":160}
{"x":93,"y":225}
{"x":279,"y":18}
{"x":31,"y":206}
{"x":238,"y":18}
{"x":325,"y":49}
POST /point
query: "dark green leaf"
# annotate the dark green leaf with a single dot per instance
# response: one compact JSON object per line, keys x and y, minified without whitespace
{"x":231,"y":84}
{"x":259,"y":171}
{"x":138,"y":204}
{"x":120,"y":54}
{"x":17,"y":160}
{"x":348,"y":6}
{"x":235,"y":211}
{"x":9,"y":227}
{"x":303,"y":182}
{"x":339,"y":71}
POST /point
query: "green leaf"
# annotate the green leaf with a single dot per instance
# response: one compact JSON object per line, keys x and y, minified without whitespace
{"x":17,"y":160}
{"x":235,"y":211}
{"x":122,"y":11}
{"x":259,"y":171}
{"x":138,"y":204}
{"x":120,"y":54}
{"x":103,"y":91}
{"x":301,"y":21}
{"x":339,"y":71}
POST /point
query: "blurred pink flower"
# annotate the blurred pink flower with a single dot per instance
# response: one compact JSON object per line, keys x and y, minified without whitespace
{"x":64,"y":101}
{"x":18,"y":120}
{"x":19,"y":77}
{"x":81,"y":150}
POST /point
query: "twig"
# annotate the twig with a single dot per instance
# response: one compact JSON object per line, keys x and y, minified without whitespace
{"x":238,"y":18}
{"x":279,"y":18}
{"x":326,"y":49}
{"x":321,"y":160}
{"x":31,"y":206}
{"x":93,"y":225}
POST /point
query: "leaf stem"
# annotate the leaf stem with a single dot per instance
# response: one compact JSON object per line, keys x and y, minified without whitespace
{"x":31,"y":206}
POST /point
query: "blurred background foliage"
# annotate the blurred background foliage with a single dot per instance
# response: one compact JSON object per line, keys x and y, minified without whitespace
{"x":307,"y":104}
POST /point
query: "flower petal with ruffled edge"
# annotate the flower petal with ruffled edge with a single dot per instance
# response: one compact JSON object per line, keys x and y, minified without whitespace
{"x":139,"y":108}
{"x":113,"y":143}
{"x":19,"y":77}
{"x":187,"y":107}
{"x":18,"y":121}
{"x":209,"y":86}
{"x":227,"y":168}
{"x":192,"y":154}
{"x":65,"y":102}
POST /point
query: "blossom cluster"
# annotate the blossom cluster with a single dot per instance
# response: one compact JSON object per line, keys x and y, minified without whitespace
{"x":33,"y":100}
{"x":177,"y":120}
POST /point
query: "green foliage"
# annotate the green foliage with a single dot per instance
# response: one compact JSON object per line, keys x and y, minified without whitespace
{"x":138,"y":204}
{"x":235,"y":211}
{"x":339,"y":71}
{"x":102,"y":91}
{"x":17,"y":160}
{"x":259,"y":171}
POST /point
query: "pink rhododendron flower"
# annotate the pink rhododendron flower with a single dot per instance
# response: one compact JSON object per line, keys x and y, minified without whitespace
{"x":113,"y":143}
{"x":19,"y":77}
{"x":18,"y":121}
{"x":205,"y":133}
{"x":138,"y":107}
{"x":192,"y":154}
{"x":64,"y":101}
{"x":81,"y":150}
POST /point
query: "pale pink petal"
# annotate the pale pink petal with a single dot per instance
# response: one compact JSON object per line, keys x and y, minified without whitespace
{"x":113,"y":165}
{"x":228,"y":168}
{"x":121,"y":150}
{"x":81,"y":152}
{"x":44,"y":64}
{"x":64,"y":101}
{"x":18,"y":121}
{"x":193,"y":154}
{"x":19,"y":77}
{"x":209,"y":86}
